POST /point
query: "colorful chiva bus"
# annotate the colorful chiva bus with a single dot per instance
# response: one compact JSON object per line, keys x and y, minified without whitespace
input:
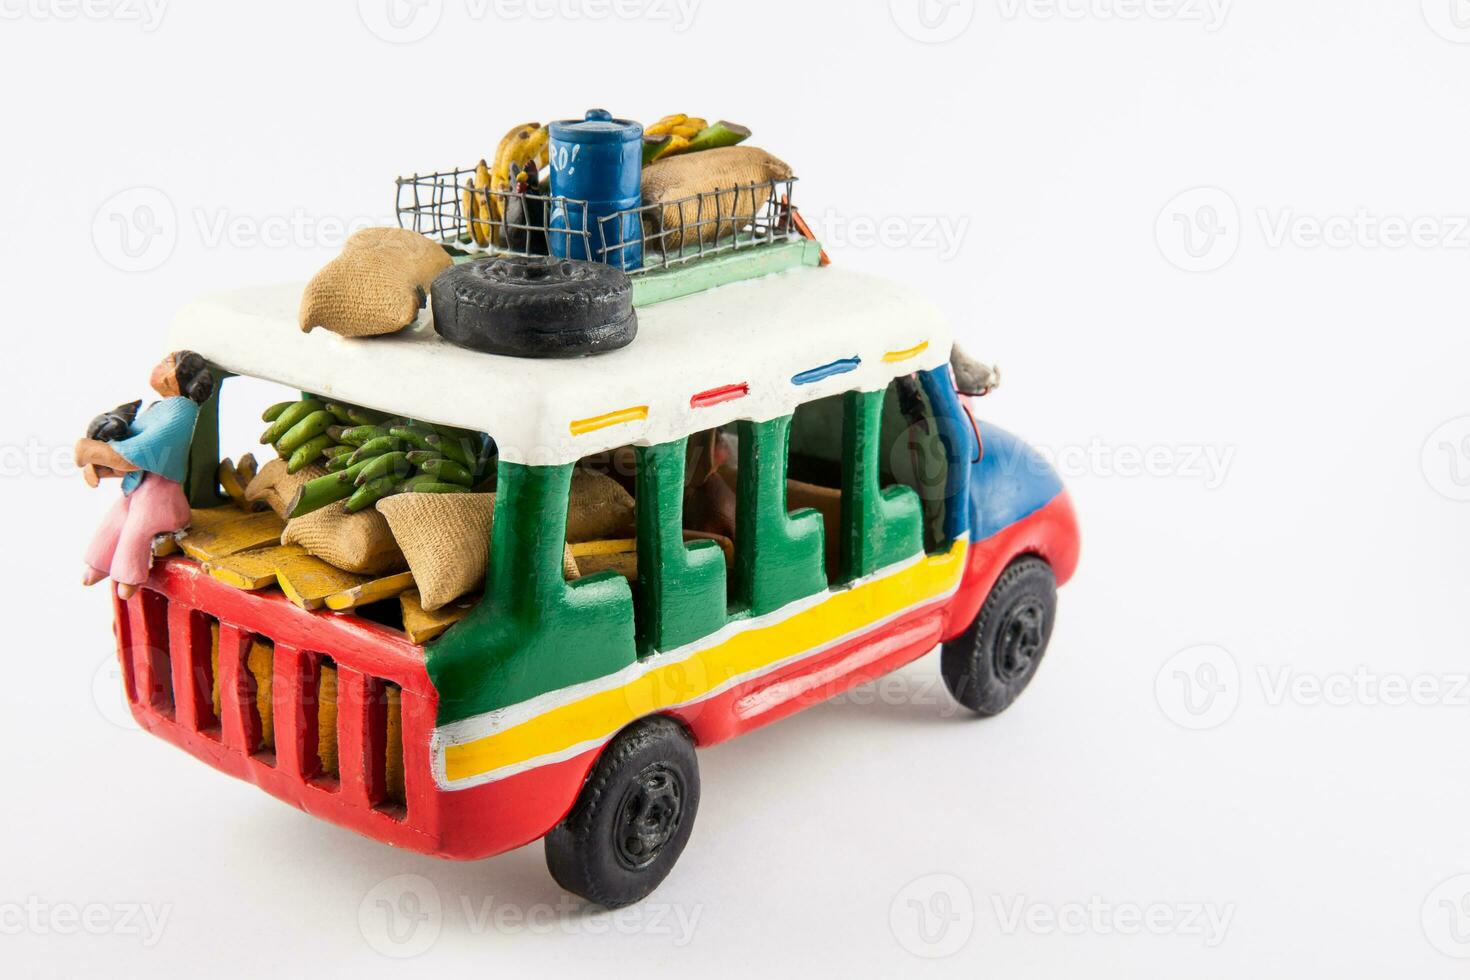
{"x":875,"y":520}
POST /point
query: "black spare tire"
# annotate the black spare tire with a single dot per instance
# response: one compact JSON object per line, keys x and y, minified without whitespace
{"x":534,"y":306}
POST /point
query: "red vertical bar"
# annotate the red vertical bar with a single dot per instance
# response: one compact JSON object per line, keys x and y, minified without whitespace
{"x":419,"y":789}
{"x":375,"y":741}
{"x":150,"y":651}
{"x":182,"y":657}
{"x":122,"y":625}
{"x":293,"y":676}
{"x":352,"y":736}
{"x":239,"y":724}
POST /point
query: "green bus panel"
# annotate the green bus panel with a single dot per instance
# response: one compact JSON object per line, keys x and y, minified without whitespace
{"x":534,"y":631}
{"x":681,"y":587}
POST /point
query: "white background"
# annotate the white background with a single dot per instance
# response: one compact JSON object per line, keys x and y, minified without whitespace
{"x":1026,"y":168}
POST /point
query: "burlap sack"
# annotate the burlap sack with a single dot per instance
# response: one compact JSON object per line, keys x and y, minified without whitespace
{"x":600,"y":508}
{"x":730,"y":170}
{"x":376,"y":286}
{"x":276,"y":487}
{"x":361,"y":542}
{"x":445,"y":538}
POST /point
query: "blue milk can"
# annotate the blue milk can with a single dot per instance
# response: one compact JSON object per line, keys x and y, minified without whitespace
{"x":599,"y":161}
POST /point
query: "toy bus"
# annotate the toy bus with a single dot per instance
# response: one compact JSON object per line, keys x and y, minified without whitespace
{"x":876,"y":519}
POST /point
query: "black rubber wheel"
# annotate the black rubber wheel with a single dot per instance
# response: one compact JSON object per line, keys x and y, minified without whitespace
{"x":988,"y":666}
{"x":534,"y":306}
{"x":632,"y":819}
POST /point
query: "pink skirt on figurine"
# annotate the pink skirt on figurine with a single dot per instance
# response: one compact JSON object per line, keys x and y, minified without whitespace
{"x":123,"y":546}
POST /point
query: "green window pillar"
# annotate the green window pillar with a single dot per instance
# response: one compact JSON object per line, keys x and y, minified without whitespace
{"x":778,"y":556}
{"x":681,"y":588}
{"x":534,"y":631}
{"x":879,"y":527}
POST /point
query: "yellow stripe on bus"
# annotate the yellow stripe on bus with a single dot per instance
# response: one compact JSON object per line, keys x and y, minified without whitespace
{"x":894,"y":356}
{"x":634,"y":414}
{"x":600,"y":715}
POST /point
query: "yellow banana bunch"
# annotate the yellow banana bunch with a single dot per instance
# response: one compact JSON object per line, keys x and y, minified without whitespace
{"x":677,"y":125}
{"x":474,"y":205}
{"x":524,"y":143}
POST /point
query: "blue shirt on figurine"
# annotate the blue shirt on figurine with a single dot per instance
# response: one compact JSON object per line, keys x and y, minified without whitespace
{"x":158,"y":441}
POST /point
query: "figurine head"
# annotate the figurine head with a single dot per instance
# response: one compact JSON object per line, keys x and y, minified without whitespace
{"x":183,"y":373}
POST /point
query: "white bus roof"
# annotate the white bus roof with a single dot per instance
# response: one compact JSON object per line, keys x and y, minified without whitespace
{"x":785,"y":336}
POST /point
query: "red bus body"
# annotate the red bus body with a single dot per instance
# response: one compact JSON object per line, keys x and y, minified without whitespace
{"x":164,"y":645}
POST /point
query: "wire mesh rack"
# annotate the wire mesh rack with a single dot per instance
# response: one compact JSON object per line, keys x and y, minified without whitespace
{"x":648,"y":237}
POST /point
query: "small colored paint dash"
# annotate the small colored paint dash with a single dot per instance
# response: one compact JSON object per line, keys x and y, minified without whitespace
{"x":811,"y":375}
{"x":720,"y":395}
{"x":894,"y":356}
{"x":622,"y":415}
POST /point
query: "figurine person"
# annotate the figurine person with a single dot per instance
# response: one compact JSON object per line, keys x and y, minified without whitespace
{"x":151,"y":460}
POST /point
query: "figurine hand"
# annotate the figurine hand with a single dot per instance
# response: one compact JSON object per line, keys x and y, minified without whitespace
{"x":89,"y":473}
{"x":92,"y":452}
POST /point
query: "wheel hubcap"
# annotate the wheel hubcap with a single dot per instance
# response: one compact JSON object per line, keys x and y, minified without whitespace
{"x":648,"y":816}
{"x":1018,"y":643}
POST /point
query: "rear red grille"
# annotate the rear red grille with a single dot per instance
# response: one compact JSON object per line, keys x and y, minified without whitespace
{"x":326,"y":711}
